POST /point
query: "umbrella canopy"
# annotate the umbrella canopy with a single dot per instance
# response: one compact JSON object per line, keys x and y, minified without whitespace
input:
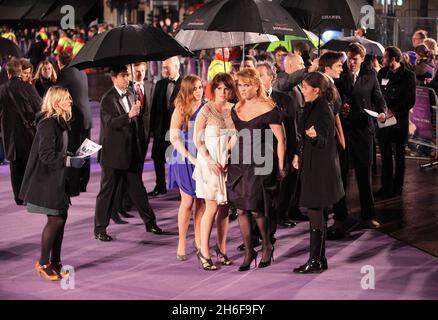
{"x":321,"y":15}
{"x":8,"y":48}
{"x":200,"y":39}
{"x":288,"y":42}
{"x":127,"y":44}
{"x":341,"y":44}
{"x":264,"y":17}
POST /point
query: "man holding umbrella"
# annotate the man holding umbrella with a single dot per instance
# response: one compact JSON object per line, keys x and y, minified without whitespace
{"x":122,"y":154}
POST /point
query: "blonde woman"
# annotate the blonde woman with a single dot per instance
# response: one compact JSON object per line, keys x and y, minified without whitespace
{"x":252,"y":183}
{"x":212,"y":139}
{"x":45,"y":77}
{"x":43,"y":187}
{"x":188,"y":103}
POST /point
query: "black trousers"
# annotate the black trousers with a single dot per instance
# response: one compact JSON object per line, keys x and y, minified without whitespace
{"x":397,"y":135}
{"x":17,"y":168}
{"x":77,"y":179}
{"x":363,"y":178}
{"x":108,"y":197}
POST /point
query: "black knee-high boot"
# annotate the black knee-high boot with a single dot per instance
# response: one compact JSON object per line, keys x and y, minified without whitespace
{"x":317,"y":261}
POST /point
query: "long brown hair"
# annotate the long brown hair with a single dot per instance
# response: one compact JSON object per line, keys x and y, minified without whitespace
{"x":184,"y":99}
{"x":252,"y":77}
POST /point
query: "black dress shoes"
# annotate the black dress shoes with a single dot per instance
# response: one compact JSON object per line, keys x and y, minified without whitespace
{"x":103,"y":236}
{"x":152,"y":227}
{"x":157,"y":191}
{"x":287,"y":223}
{"x":117,"y":220}
{"x":124,"y":214}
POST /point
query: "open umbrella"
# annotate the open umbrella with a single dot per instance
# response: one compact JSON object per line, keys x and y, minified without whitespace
{"x":373,"y":48}
{"x":288,"y":42}
{"x":126,"y":45}
{"x":199,"y":39}
{"x":264,"y":17}
{"x":8,"y":48}
{"x":317,"y":15}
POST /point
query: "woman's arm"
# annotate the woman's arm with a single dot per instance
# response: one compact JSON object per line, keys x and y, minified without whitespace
{"x":278,"y":131}
{"x":340,"y":131}
{"x":176,"y":123}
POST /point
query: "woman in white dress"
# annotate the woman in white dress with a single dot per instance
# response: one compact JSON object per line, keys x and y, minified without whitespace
{"x":213,"y":129}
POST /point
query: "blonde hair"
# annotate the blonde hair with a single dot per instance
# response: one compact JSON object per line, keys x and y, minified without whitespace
{"x":252,"y":77}
{"x":54,"y":96}
{"x":432,"y":45}
{"x":53,"y":76}
{"x":185,"y":98}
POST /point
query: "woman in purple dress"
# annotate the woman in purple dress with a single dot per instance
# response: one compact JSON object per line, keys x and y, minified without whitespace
{"x":187,"y":105}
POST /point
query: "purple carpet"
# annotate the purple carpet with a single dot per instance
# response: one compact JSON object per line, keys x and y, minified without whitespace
{"x":140,"y":265}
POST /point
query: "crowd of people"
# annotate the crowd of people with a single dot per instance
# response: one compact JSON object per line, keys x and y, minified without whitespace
{"x":269,"y":141}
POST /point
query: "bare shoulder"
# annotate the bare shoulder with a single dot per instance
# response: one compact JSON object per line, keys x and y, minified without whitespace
{"x":264,"y":107}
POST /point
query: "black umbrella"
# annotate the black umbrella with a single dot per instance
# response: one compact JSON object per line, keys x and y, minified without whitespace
{"x":126,"y":45}
{"x":317,"y":15}
{"x":8,"y":48}
{"x":341,"y":44}
{"x":257,"y":16}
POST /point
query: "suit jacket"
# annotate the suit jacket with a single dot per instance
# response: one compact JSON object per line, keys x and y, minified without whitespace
{"x":285,"y":82}
{"x":77,"y":84}
{"x":292,"y":113}
{"x":16,"y":138}
{"x":358,"y":125}
{"x":161,"y":115}
{"x":122,"y":139}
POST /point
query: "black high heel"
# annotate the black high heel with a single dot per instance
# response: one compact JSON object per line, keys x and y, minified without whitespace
{"x":222,"y":257}
{"x":206,"y":263}
{"x":246,"y":266}
{"x":264,"y":264}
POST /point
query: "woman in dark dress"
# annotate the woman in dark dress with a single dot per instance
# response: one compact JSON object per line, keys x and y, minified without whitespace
{"x":44,"y":187}
{"x":254,"y":168}
{"x":321,"y":183}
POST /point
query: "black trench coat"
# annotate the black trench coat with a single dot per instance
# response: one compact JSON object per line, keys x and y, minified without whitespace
{"x":44,"y":180}
{"x":321,"y":183}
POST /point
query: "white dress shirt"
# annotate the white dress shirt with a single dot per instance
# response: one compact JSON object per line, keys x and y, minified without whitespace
{"x":124,"y":100}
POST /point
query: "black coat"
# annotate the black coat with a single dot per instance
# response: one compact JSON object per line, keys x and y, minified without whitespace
{"x":77,"y":84}
{"x":321,"y":183}
{"x":161,"y":115}
{"x":121,"y":138}
{"x":292,"y":115}
{"x":358,"y":125}
{"x":44,"y":181}
{"x":399,"y":92}
{"x":16,"y":138}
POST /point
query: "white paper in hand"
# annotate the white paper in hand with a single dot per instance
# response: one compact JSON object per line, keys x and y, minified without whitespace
{"x":389,"y":122}
{"x":371,"y":113}
{"x":87,"y":148}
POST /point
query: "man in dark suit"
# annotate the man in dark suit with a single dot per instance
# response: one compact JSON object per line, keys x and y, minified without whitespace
{"x":36,"y":52}
{"x":77,"y":84}
{"x":122,"y":154}
{"x":359,"y":89}
{"x":19,"y":103}
{"x":162,"y":107}
{"x":398,"y":87}
{"x":285,"y":200}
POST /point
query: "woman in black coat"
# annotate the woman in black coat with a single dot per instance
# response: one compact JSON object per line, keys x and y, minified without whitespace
{"x":321,"y":183}
{"x":44,"y":187}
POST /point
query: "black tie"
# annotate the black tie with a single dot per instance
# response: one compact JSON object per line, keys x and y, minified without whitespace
{"x":123,"y":95}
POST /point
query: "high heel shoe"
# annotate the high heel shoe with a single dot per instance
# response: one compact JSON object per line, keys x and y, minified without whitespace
{"x":57,"y":267}
{"x":181,"y":257}
{"x":206,"y":263}
{"x":47,"y":272}
{"x":246,"y":266}
{"x":222,"y":257}
{"x":264,"y":264}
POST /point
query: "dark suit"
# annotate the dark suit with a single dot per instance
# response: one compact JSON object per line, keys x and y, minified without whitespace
{"x":121,"y":159}
{"x":359,"y":136}
{"x":17,"y":138}
{"x":161,"y":114}
{"x":77,"y":84}
{"x":400,"y":94}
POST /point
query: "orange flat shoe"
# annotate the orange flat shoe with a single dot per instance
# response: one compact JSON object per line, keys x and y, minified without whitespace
{"x":46,"y":272}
